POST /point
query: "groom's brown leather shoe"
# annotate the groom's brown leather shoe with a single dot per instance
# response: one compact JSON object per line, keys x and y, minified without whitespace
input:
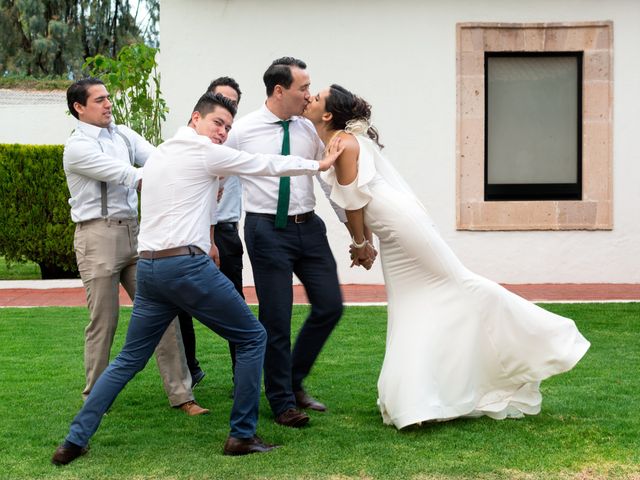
{"x":245,"y":446}
{"x":304,"y":400}
{"x":292,"y":418}
{"x":64,"y":455}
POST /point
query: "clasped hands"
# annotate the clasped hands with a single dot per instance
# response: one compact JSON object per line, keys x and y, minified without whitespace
{"x":363,"y":256}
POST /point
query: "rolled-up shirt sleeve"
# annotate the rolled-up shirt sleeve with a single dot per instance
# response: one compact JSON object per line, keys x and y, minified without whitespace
{"x":84,"y":157}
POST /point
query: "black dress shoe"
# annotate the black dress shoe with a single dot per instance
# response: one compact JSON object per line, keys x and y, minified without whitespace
{"x":197,"y":377}
{"x":67,"y":454}
{"x":304,"y":400}
{"x":245,"y":446}
{"x":292,"y":418}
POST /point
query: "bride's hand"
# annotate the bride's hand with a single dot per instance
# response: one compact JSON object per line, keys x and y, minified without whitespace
{"x":332,"y":152}
{"x":363,"y":257}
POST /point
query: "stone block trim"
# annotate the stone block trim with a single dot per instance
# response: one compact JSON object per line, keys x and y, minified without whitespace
{"x":595,"y":210}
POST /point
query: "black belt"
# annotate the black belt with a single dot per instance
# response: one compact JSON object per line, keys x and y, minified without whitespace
{"x":299,"y":218}
{"x":109,"y":221}
{"x":226,"y":226}
{"x":171,"y":252}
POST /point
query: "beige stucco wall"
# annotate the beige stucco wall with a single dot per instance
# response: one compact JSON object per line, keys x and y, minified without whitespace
{"x":401,"y":56}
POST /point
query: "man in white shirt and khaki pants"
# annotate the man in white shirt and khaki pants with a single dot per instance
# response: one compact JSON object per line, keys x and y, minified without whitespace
{"x":98,"y":163}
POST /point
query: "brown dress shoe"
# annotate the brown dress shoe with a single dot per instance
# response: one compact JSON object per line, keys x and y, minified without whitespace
{"x":64,"y":455}
{"x":192,"y":408}
{"x":245,"y":446}
{"x":292,"y":418}
{"x":304,"y":400}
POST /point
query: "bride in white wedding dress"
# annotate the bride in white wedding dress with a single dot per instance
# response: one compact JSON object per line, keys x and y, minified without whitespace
{"x":457,"y":344}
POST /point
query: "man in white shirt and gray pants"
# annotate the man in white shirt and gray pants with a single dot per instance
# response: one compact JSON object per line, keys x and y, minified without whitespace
{"x":174,"y":271}
{"x":98,"y":163}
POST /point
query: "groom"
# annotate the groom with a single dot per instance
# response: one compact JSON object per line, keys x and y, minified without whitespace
{"x":284,"y":237}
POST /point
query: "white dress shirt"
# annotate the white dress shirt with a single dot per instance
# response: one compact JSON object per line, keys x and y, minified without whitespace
{"x":181,"y":182}
{"x":260,"y":132}
{"x":93,"y":155}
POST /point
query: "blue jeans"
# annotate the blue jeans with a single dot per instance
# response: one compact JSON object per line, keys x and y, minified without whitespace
{"x":195,"y":285}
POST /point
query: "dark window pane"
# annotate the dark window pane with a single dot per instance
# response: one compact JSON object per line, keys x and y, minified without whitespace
{"x":533,"y":126}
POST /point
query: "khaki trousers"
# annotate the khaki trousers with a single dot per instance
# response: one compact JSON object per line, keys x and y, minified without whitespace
{"x":106,"y":253}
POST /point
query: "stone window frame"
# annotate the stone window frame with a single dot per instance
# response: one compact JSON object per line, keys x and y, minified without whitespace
{"x":595,"y":210}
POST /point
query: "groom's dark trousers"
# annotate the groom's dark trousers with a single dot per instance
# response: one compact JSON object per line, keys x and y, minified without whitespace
{"x":301,"y":248}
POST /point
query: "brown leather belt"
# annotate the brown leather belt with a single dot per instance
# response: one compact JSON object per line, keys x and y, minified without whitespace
{"x":171,"y":252}
{"x":300,"y":218}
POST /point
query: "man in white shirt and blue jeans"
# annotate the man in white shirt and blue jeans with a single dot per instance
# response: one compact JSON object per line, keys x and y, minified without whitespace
{"x":98,"y":162}
{"x":175,"y":272}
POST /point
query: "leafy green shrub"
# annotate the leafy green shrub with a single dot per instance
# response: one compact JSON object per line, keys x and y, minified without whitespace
{"x":133,"y":81}
{"x":34,"y":213}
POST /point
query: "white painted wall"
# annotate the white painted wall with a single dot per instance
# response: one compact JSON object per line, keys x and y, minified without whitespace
{"x":400,"y":56}
{"x":35,"y":118}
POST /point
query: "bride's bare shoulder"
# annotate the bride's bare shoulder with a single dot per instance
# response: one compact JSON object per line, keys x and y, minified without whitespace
{"x":349,"y":141}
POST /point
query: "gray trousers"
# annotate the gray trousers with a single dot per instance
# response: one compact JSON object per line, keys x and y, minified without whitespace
{"x":106,"y":253}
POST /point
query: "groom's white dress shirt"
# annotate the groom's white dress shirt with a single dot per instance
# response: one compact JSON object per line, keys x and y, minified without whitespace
{"x":260,"y":132}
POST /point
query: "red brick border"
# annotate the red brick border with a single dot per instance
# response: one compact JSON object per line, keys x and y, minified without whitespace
{"x":23,"y":297}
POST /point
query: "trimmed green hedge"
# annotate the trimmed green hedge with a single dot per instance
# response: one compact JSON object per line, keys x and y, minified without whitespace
{"x":35,"y":221}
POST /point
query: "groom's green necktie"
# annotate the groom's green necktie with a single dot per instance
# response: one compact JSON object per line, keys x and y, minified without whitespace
{"x":282,"y":210}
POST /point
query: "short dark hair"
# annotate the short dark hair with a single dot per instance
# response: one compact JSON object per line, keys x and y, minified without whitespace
{"x":279,"y":73}
{"x":77,"y":92}
{"x":225,"y":82}
{"x":209,"y":101}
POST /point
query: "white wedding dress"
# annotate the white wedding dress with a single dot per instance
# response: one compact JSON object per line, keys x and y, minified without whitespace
{"x":457,"y":344}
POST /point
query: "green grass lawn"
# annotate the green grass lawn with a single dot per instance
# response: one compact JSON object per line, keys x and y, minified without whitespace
{"x":19,"y":271}
{"x":588,"y":428}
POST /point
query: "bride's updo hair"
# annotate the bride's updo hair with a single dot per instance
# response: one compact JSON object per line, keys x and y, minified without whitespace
{"x":344,"y":106}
